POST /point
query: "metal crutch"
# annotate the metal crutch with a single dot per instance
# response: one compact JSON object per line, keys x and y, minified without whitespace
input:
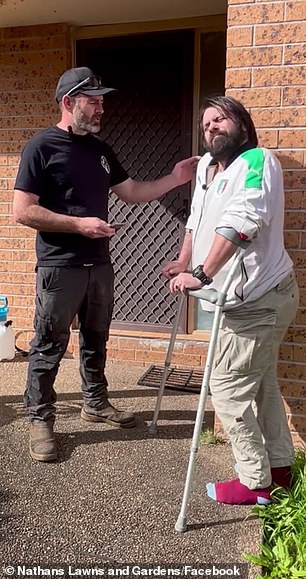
{"x":153,"y":426}
{"x":219,"y":299}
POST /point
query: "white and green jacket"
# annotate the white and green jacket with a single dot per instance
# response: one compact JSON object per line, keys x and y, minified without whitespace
{"x":249,"y":197}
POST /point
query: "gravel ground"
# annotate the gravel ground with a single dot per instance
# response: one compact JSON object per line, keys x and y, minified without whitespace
{"x":113,"y":496}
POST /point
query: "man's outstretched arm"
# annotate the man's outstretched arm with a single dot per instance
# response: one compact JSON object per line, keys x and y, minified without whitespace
{"x":132,"y":191}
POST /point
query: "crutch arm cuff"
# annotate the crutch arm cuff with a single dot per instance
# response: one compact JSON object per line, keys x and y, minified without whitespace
{"x":239,"y":239}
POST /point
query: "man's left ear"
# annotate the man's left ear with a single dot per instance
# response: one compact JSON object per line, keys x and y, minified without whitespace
{"x":67,"y":103}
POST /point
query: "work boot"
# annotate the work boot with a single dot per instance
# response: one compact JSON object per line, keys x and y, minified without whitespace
{"x":109,"y":415}
{"x":42,"y":441}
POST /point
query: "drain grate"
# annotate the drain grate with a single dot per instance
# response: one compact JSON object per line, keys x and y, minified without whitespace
{"x":178,"y":378}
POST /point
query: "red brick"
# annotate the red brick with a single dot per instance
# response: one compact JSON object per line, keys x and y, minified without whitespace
{"x":300,"y":318}
{"x":298,"y":423}
{"x":239,"y":78}
{"x":25,"y":110}
{"x":13,"y":160}
{"x":257,"y":97}
{"x":295,"y":138}
{"x":22,"y":301}
{"x":294,"y":96}
{"x":292,"y":371}
{"x":292,"y":117}
{"x":39,"y":30}
{"x":255,"y":14}
{"x":40,"y":82}
{"x":20,"y":311}
{"x":295,"y":53}
{"x":297,"y":335}
{"x":5,"y":208}
{"x":11,"y":147}
{"x":127,"y":343}
{"x":292,"y":239}
{"x":266,"y":117}
{"x":298,"y":440}
{"x":295,"y":406}
{"x":290,"y":159}
{"x":294,"y":199}
{"x":186,"y":360}
{"x":32,"y":44}
{"x":6,"y":195}
{"x":267,"y":138}
{"x":149,"y":357}
{"x":162,"y":346}
{"x":256,"y":56}
{"x":200,"y":349}
{"x":10,"y":289}
{"x":298,"y":257}
{"x":295,"y":10}
{"x":17,"y":278}
{"x":14,"y":135}
{"x":126,"y":354}
{"x":280,"y":33}
{"x":295,"y":180}
{"x":286,"y":352}
{"x":240,"y":36}
{"x":113,"y":342}
{"x":301,"y":278}
{"x":293,"y":389}
{"x":279,"y":76}
{"x":23,"y":322}
{"x":6,"y":171}
{"x":34,"y":60}
{"x":299,"y":353}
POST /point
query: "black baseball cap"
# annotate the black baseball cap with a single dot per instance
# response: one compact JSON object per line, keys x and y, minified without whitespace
{"x":80,"y":80}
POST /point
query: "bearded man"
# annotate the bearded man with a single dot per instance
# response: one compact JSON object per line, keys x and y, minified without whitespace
{"x":239,"y":195}
{"x":61,"y":190}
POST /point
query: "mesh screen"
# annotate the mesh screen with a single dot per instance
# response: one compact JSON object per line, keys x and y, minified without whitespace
{"x":148,"y":124}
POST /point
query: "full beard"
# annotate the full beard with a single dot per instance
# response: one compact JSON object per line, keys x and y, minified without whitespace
{"x":224,"y":145}
{"x":87,"y":126}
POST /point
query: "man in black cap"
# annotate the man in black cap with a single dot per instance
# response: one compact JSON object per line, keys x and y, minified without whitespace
{"x":61,"y":190}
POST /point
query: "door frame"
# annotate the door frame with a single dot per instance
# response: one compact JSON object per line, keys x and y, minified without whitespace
{"x":200,"y":24}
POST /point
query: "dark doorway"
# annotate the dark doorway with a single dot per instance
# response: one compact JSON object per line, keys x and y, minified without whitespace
{"x":149,"y":125}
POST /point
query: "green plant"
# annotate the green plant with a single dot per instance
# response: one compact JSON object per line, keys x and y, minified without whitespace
{"x":208,"y":436}
{"x":283,"y":551}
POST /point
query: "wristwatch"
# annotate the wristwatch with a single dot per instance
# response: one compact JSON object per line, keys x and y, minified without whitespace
{"x":198,"y":272}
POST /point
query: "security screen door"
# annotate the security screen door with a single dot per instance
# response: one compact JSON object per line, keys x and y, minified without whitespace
{"x":148,"y":122}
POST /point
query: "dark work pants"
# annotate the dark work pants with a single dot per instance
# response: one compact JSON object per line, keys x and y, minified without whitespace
{"x":61,"y":293}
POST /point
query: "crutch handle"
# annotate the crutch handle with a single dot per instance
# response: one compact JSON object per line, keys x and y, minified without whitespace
{"x":209,"y":295}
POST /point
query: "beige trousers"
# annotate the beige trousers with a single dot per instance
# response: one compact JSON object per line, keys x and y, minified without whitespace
{"x":244,"y":387}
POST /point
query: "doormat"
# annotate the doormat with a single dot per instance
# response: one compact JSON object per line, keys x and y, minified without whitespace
{"x":184,"y":379}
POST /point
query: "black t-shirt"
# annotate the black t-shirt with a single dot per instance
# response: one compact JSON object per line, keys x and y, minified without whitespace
{"x":72,"y":175}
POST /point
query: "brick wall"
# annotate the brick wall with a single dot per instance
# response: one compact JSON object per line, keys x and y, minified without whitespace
{"x":266,"y":70}
{"x":31,"y":59}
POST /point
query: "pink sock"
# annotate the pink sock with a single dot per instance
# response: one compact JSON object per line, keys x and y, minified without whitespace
{"x":282,"y":476}
{"x":235,"y":493}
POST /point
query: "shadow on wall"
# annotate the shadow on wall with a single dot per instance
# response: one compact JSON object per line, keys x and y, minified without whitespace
{"x":292,"y":363}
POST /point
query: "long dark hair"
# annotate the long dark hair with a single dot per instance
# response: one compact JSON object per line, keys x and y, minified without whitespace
{"x":235,"y":111}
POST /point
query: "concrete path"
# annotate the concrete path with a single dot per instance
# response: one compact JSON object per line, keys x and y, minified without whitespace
{"x":114,"y":496}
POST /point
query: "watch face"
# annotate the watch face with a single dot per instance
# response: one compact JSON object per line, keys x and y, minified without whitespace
{"x":200,"y":275}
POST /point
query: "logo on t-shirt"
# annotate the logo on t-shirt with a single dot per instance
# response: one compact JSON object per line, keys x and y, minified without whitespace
{"x":222,"y":186}
{"x":105,"y":164}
